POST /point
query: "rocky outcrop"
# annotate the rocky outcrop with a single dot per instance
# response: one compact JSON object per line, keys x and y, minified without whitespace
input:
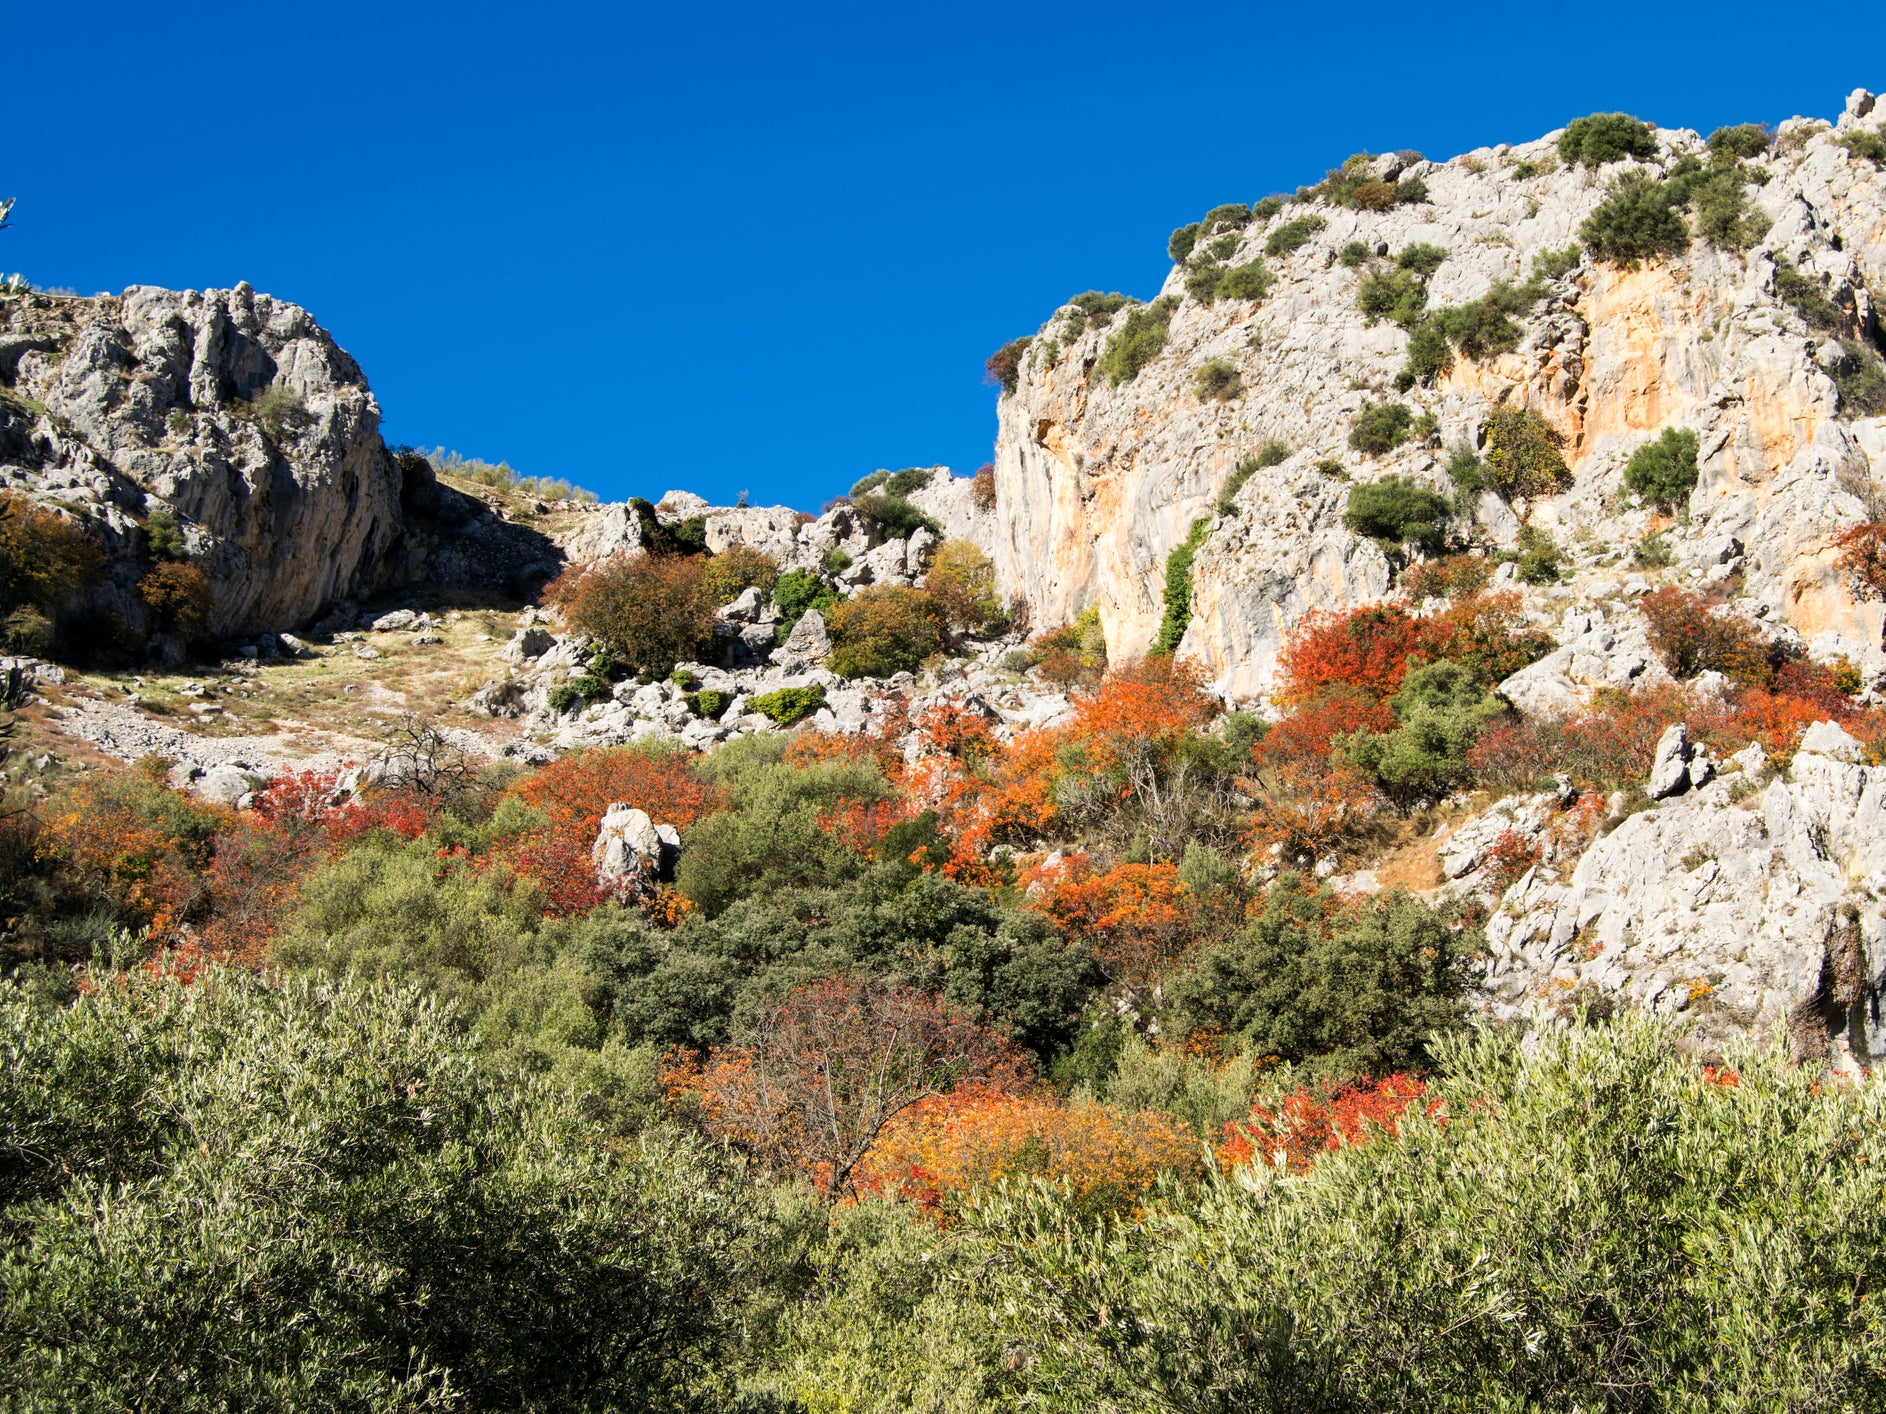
{"x":1096,"y":483}
{"x":1743,"y":903}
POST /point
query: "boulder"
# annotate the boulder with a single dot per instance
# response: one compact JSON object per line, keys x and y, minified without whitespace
{"x":632,"y":852}
{"x":227,"y":784}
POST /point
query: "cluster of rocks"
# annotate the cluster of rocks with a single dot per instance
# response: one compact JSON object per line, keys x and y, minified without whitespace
{"x":1747,"y":901}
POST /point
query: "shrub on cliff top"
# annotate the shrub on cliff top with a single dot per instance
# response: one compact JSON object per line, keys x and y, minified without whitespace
{"x":1004,"y":367}
{"x":1293,"y":234}
{"x":1606,"y":137}
{"x":1140,"y":339}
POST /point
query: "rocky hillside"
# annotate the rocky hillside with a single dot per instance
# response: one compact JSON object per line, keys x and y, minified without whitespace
{"x":1761,"y":340}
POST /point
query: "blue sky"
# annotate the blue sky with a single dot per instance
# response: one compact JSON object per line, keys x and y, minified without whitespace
{"x":764,"y":248}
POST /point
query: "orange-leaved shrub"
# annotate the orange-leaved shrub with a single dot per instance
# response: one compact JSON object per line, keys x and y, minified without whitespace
{"x":1373,"y":648}
{"x":1309,"y":796}
{"x":1693,"y":635}
{"x":179,"y":597}
{"x":1296,"y":1129}
{"x":1141,"y":920}
{"x":944,"y":1149}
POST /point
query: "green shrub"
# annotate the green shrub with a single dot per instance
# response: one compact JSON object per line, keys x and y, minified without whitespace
{"x":1478,"y":330}
{"x":1635,"y":223}
{"x":1429,"y":355}
{"x":27,"y":631}
{"x":737,"y":569}
{"x":1357,"y":993}
{"x":1440,"y":711}
{"x":1410,"y":191}
{"x":577,"y":690}
{"x":1870,"y":146}
{"x":1223,"y":247}
{"x":1557,"y":264}
{"x":883,"y":629}
{"x":1293,"y":234}
{"x":1232,"y":216}
{"x":1380,"y":427}
{"x":1664,"y":471}
{"x":910,"y":479}
{"x":1399,"y":512}
{"x":1715,"y":193}
{"x":1606,"y":137}
{"x":1140,"y":340}
{"x":1420,"y":257}
{"x":1539,"y":557}
{"x":797,"y":591}
{"x":961,"y":581}
{"x":1398,"y":295}
{"x":1270,"y":206}
{"x":836,"y":561}
{"x":1249,"y":281}
{"x":1099,"y":307}
{"x":1272,"y":453}
{"x":868,"y":483}
{"x":1653,"y":552}
{"x":788,"y":705}
{"x":1860,"y":380}
{"x":893,"y":515}
{"x":1177,"y":616}
{"x":163,"y":537}
{"x":709,"y":703}
{"x":1217,"y":381}
{"x":278,"y":411}
{"x":1355,"y":254}
{"x":1522,"y":454}
{"x":1744,"y":140}
{"x":1617,"y":1228}
{"x":1470,"y":477}
{"x":1182,"y":242}
{"x":314,"y":1194}
{"x":1524,"y":171}
{"x":1807,"y":298}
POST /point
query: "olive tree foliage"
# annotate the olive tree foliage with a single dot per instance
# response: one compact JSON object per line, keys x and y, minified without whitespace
{"x":312,"y":1195}
{"x":1594,"y":1222}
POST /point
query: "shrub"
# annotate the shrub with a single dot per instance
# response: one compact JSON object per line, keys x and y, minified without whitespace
{"x":1870,"y":146}
{"x":961,"y":580}
{"x":506,"y":1251}
{"x":1346,"y":1287}
{"x":1210,"y":281}
{"x":1557,"y":264}
{"x":1653,"y":552}
{"x":1722,"y":211}
{"x":1217,"y":381}
{"x":1421,"y":258}
{"x":1744,"y":140}
{"x":1522,"y":454}
{"x":1232,"y":216}
{"x":27,"y":631}
{"x":278,"y":411}
{"x":1272,"y":453}
{"x":1664,"y":471}
{"x":868,"y":483}
{"x":1429,"y":356}
{"x":1398,"y":511}
{"x":1178,"y":596}
{"x":1334,"y":991}
{"x":1479,"y":330}
{"x":910,"y":480}
{"x":884,"y":629}
{"x":1806,"y":297}
{"x":1140,"y":340}
{"x":1602,"y":138}
{"x":1410,"y":191}
{"x":1470,"y":477}
{"x":1441,"y":711}
{"x":652,"y":611}
{"x":1380,"y":428}
{"x":1003,"y":368}
{"x":1355,"y":254}
{"x":1859,"y":380}
{"x":1692,"y":636}
{"x":982,"y":487}
{"x":1539,"y":557}
{"x":1397,"y":295}
{"x":179,"y":598}
{"x":44,"y":558}
{"x":1293,"y":234}
{"x":788,"y":705}
{"x":1450,"y":577}
{"x":736,"y":569}
{"x":894,"y":515}
{"x":1862,"y":558}
{"x":1635,"y":223}
{"x":1182,"y":241}
{"x":799,"y":590}
{"x":163,"y":539}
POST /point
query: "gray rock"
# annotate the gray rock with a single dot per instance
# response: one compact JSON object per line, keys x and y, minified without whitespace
{"x":1670,"y":771}
{"x":394,"y":622}
{"x":227,"y":784}
{"x":808,"y":639}
{"x":527,"y":643}
{"x":1831,"y":740}
{"x":631,"y":852}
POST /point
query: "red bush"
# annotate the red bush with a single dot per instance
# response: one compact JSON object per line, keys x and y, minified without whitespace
{"x":1693,"y":636}
{"x":1307,"y":1125}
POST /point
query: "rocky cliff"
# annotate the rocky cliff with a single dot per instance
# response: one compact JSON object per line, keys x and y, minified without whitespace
{"x":1097,"y":482}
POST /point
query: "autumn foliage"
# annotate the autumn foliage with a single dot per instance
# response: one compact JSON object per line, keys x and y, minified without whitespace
{"x":1373,"y":648}
{"x":1294,"y":1131}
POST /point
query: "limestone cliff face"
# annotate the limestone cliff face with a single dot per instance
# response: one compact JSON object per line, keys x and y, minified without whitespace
{"x":1096,"y":483}
{"x":233,"y":410}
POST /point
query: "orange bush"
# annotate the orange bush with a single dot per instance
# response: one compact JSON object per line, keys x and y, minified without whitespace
{"x":1374,"y":647}
{"x":179,"y":598}
{"x":1308,"y":1124}
{"x":940,"y":1151}
{"x":1693,"y":635}
{"x":1863,"y":558}
{"x":1308,"y":795}
{"x":654,"y":610}
{"x":1140,"y":919}
{"x":579,"y":789}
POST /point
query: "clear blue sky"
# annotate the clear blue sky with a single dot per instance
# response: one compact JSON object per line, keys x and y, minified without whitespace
{"x":766,"y":247}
